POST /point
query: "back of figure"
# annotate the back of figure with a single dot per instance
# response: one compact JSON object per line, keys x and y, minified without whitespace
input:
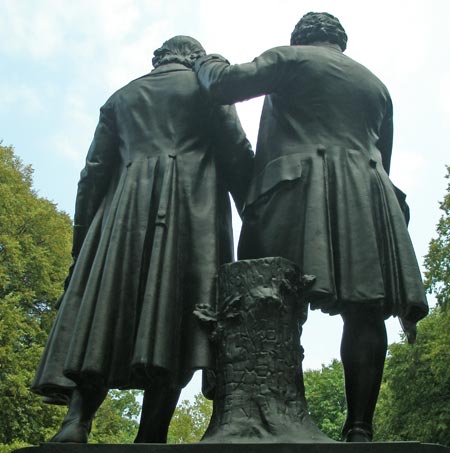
{"x":321,"y":196}
{"x":321,"y":97}
{"x":162,"y":111}
{"x":152,"y":225}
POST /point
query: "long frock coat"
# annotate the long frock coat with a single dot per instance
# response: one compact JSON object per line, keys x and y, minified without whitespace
{"x":321,"y":195}
{"x":153,"y":216}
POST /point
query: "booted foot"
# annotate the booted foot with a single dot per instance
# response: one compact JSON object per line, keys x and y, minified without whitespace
{"x":358,"y":435}
{"x":72,"y":431}
{"x":151,"y":438}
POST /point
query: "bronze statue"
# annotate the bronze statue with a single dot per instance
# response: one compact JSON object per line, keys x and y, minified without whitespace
{"x":321,"y":196}
{"x":152,"y":225}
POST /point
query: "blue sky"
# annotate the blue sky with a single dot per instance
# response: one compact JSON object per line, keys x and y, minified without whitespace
{"x":61,"y":60}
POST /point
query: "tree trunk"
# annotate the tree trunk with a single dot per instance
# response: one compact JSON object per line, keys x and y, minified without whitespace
{"x":259,"y":395}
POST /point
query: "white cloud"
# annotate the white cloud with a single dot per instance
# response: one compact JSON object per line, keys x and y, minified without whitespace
{"x":115,"y":18}
{"x":76,"y":129}
{"x":135,"y":56}
{"x":23,"y":97}
{"x":249,"y":114}
{"x":443,"y":95}
{"x":30,"y":31}
{"x":407,"y":168}
{"x":65,"y":146}
{"x":54,"y":28}
{"x":77,"y":114}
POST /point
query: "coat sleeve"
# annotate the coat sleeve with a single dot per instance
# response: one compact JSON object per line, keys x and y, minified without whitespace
{"x":234,"y":155}
{"x":227,"y":84}
{"x":95,"y":176}
{"x":386,"y":136}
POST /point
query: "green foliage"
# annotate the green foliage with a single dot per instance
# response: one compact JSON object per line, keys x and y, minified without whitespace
{"x":190,"y":420}
{"x":12,"y":447}
{"x":116,"y":420}
{"x":35,"y":244}
{"x":35,"y":240}
{"x":414,"y":401}
{"x":22,"y":415}
{"x":325,"y":394}
{"x":437,"y":261}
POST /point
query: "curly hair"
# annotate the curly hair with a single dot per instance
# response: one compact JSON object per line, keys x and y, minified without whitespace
{"x":319,"y":27}
{"x":179,"y":49}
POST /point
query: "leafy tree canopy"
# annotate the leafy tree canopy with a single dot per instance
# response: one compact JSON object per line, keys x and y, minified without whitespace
{"x":414,"y":403}
{"x":34,"y":254}
{"x":325,"y":394}
{"x":437,"y":261}
{"x":116,"y":420}
{"x":190,"y":420}
{"x":414,"y":400}
{"x":35,"y":244}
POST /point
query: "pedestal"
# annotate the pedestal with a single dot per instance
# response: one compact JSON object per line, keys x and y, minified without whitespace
{"x":259,"y":385}
{"x":397,"y":447}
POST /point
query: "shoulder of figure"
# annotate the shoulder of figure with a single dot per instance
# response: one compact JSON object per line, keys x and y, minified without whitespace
{"x":286,"y":53}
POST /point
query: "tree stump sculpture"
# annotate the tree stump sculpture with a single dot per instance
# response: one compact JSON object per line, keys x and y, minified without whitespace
{"x":259,"y":395}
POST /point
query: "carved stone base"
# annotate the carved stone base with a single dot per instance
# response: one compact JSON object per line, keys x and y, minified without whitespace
{"x":397,"y":447}
{"x":259,"y":384}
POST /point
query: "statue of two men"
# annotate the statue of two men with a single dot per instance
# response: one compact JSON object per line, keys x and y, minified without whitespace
{"x":152,"y":220}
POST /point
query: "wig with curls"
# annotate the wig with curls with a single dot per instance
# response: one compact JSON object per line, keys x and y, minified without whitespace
{"x":179,"y":49}
{"x":319,"y":27}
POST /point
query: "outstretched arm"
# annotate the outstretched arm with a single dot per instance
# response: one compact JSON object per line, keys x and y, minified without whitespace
{"x":227,"y":84}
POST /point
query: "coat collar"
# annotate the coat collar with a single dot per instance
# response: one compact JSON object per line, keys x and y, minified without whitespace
{"x":170,"y":67}
{"x":327,"y":45}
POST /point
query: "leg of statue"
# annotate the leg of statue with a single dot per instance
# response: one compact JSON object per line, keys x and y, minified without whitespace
{"x":77,"y":423}
{"x":363,"y":351}
{"x":157,"y":409}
